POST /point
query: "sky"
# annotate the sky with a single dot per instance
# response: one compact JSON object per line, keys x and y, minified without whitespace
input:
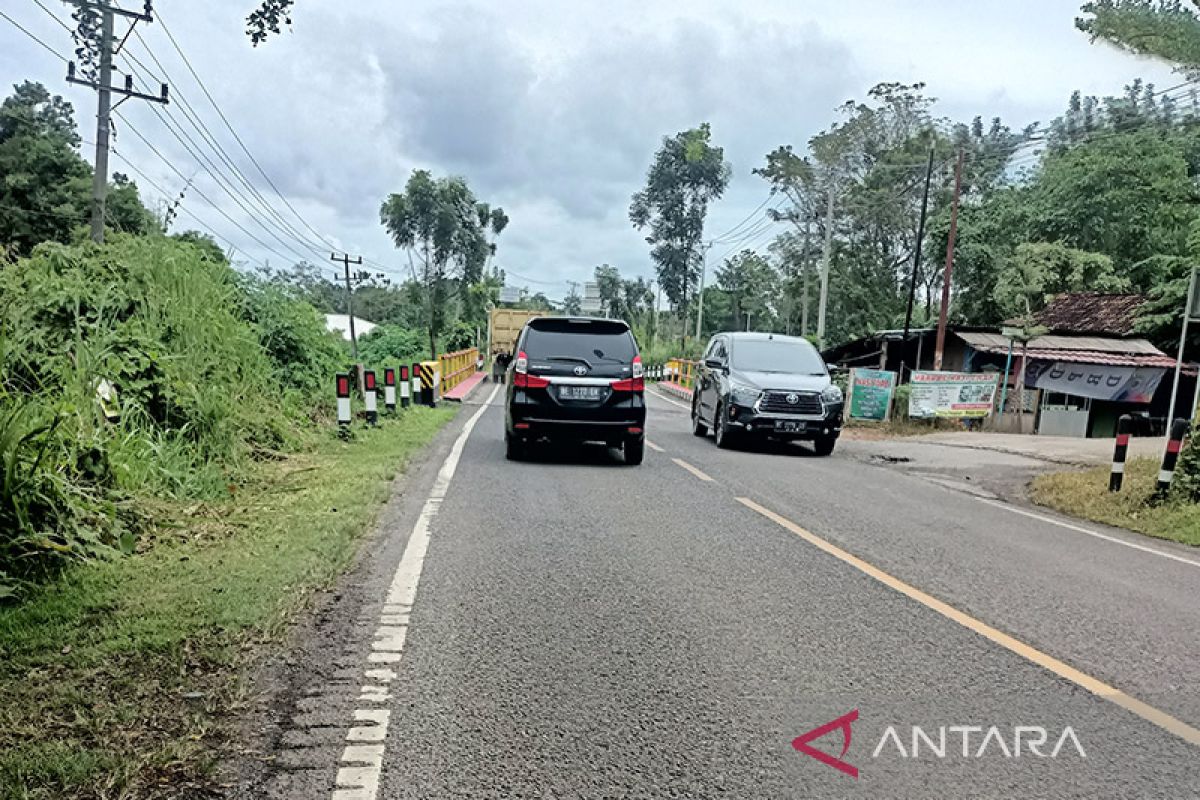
{"x":551,"y":109}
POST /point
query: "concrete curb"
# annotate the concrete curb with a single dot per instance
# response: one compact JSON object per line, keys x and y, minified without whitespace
{"x":670,"y":387}
{"x":467,"y":387}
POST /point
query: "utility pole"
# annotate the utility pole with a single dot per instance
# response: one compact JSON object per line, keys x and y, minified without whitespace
{"x":825,"y":259}
{"x":346,"y":261}
{"x":700,"y":304}
{"x":912,"y":283}
{"x":804,"y":278}
{"x":946,"y":280}
{"x":654,"y":328}
{"x":105,"y":90}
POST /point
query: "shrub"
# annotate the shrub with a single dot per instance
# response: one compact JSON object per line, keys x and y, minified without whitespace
{"x":207,"y":365}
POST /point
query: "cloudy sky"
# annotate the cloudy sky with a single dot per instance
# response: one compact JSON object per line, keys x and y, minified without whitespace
{"x":551,"y":109}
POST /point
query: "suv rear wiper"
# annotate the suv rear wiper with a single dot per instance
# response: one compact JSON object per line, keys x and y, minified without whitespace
{"x":576,"y":359}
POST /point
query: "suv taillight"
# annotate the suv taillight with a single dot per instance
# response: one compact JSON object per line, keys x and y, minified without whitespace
{"x":521,"y":377}
{"x":635,"y":384}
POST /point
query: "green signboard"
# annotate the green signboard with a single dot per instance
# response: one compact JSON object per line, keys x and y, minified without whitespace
{"x":871,"y":393}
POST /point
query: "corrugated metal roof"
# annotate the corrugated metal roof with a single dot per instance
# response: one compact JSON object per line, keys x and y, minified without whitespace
{"x":1094,"y":357}
{"x":1099,"y":345}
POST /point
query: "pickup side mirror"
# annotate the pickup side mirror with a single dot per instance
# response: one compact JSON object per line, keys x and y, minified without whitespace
{"x":714,"y":363}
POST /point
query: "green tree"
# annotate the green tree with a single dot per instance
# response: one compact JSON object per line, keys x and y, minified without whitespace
{"x":573,"y":303}
{"x":44,"y":183}
{"x":688,"y":174}
{"x":1165,"y":29}
{"x":750,"y":282}
{"x":1038,"y":271}
{"x":608,"y":281}
{"x":436,"y":222}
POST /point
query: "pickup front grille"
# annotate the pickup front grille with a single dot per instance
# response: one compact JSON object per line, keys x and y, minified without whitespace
{"x":808,"y":403}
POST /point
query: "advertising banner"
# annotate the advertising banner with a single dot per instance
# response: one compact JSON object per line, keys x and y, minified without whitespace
{"x":871,"y":393}
{"x":952,"y":394}
{"x":1096,"y":381}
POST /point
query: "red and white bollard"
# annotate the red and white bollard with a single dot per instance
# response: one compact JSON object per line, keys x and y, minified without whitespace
{"x":1179,"y":430}
{"x":405,"y":387}
{"x":389,"y":390}
{"x":416,"y":380}
{"x":1124,"y":424}
{"x":369,"y":397}
{"x":343,"y":401}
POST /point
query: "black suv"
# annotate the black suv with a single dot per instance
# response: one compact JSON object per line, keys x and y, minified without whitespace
{"x":766,"y":385}
{"x":576,"y":378}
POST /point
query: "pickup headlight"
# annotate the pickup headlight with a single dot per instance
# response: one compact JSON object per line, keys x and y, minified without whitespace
{"x":744,"y":395}
{"x":831,"y":394}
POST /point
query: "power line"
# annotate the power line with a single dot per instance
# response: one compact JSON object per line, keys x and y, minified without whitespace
{"x":193,"y":118}
{"x":237,"y":138}
{"x":54,"y":17}
{"x":205,"y":197}
{"x":187,"y":211}
{"x":25,"y":31}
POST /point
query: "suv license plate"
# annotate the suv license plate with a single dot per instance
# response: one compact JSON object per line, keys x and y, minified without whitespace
{"x":790,"y":425}
{"x":579,"y":392}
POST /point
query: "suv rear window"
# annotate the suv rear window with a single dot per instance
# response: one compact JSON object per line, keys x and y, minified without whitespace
{"x":594,"y":341}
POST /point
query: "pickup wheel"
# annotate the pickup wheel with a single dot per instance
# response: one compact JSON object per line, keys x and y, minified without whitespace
{"x":698,"y":426}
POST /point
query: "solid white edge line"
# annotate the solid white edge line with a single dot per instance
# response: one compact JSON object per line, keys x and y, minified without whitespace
{"x":360,"y":768}
{"x":1086,"y":531}
{"x":658,"y":393}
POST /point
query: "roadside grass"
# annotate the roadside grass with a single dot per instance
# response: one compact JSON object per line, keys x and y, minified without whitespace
{"x":115,"y":680}
{"x":1085,"y":494}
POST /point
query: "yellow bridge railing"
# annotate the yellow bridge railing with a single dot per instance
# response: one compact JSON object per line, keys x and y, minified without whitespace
{"x":682,"y":371}
{"x":457,"y":367}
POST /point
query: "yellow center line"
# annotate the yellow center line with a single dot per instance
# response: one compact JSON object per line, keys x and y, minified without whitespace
{"x":1060,"y":668}
{"x":692,"y":469}
{"x":654,"y":447}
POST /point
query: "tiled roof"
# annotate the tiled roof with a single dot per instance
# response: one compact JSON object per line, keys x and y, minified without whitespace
{"x":1092,"y":312}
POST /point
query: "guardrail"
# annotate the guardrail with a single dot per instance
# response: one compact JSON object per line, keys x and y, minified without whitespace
{"x":457,"y":367}
{"x":682,"y":371}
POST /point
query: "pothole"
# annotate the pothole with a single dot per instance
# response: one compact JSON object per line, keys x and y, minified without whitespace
{"x":882,"y":459}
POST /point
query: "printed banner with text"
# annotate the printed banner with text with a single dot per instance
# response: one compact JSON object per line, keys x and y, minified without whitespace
{"x":952,"y":394}
{"x":871,"y":393}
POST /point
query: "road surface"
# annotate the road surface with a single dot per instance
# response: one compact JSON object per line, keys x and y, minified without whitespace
{"x":570,"y":627}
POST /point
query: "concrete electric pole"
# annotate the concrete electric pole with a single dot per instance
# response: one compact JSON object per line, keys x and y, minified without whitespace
{"x":105,"y":90}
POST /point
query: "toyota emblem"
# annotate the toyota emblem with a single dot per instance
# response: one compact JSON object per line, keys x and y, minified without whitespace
{"x":581,"y":371}
{"x":793,"y":398}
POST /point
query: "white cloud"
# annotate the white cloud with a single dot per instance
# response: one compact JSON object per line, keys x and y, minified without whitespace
{"x":554,"y":110}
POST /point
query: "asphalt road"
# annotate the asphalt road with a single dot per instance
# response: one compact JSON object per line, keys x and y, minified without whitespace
{"x":569,"y":627}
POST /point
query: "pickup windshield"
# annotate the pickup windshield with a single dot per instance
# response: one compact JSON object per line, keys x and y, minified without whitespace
{"x":777,"y":355}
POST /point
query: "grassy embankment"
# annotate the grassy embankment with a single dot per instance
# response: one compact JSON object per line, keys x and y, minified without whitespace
{"x":1085,"y":494}
{"x":115,"y":679}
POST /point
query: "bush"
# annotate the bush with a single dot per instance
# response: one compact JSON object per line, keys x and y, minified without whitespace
{"x":391,"y":344}
{"x":208,"y":366}
{"x":1186,"y":484}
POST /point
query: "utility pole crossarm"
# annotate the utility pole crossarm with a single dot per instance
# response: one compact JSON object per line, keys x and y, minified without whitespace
{"x":104,"y":92}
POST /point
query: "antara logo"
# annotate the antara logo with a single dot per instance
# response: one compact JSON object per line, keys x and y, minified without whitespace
{"x":1033,"y":739}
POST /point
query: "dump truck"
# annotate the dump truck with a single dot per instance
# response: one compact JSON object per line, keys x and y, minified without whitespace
{"x":504,"y":326}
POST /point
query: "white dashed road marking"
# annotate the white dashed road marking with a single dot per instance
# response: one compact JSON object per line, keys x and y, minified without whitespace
{"x":702,"y":476}
{"x":654,"y":447}
{"x":361,"y":764}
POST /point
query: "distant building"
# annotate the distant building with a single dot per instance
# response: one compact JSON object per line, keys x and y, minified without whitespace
{"x":340,"y":323}
{"x":1089,"y":368}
